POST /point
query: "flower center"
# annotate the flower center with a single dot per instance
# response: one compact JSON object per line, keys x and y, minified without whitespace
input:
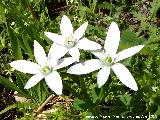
{"x":107,"y":59}
{"x":69,"y":41}
{"x":46,"y":70}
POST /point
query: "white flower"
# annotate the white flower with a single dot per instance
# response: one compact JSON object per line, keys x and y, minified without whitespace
{"x":46,"y":68}
{"x":69,"y":41}
{"x":108,"y":59}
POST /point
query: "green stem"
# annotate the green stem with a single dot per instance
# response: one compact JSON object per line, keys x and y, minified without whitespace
{"x":101,"y":95}
{"x":83,"y":87}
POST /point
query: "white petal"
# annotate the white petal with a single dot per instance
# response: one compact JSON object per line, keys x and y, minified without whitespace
{"x":25,"y":66}
{"x":64,"y":62}
{"x":112,"y":39}
{"x":98,"y":53}
{"x":39,"y":54}
{"x":52,"y":61}
{"x":103,"y":75}
{"x":125,"y":76}
{"x":66,"y":26}
{"x":57,"y":51}
{"x":74,"y":52}
{"x":128,"y":52}
{"x":85,"y":67}
{"x":54,"y":82}
{"x":80,"y":31}
{"x":55,"y":38}
{"x":34,"y":80}
{"x":86,"y":44}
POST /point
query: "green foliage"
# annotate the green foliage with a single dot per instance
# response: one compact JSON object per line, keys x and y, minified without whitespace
{"x":129,"y":38}
{"x":14,"y":44}
{"x":8,"y":108}
{"x":11,"y":85}
{"x":126,"y":99}
{"x":155,"y":5}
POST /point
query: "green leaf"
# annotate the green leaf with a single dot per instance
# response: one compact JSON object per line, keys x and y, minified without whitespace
{"x":24,"y":3}
{"x":93,"y":5}
{"x":6,"y":82}
{"x":155,"y":5}
{"x":21,"y":80}
{"x":16,"y":50}
{"x":8,"y":108}
{"x":129,"y":39}
{"x":2,"y":13}
{"x":106,"y":5}
{"x":27,"y":46}
{"x":95,"y":94}
{"x":42,"y":92}
{"x":82,"y":11}
{"x":79,"y":104}
{"x":126,"y":99}
{"x":157,"y":113}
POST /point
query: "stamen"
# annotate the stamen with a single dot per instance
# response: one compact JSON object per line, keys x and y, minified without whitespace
{"x":107,"y":59}
{"x":69,"y":41}
{"x":46,"y":69}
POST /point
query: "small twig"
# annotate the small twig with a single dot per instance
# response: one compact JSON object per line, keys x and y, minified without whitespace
{"x":54,"y":100}
{"x":40,"y":108}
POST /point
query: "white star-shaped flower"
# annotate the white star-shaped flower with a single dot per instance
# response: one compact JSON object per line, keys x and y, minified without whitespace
{"x":70,"y":41}
{"x":108,"y":59}
{"x":46,"y":68}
